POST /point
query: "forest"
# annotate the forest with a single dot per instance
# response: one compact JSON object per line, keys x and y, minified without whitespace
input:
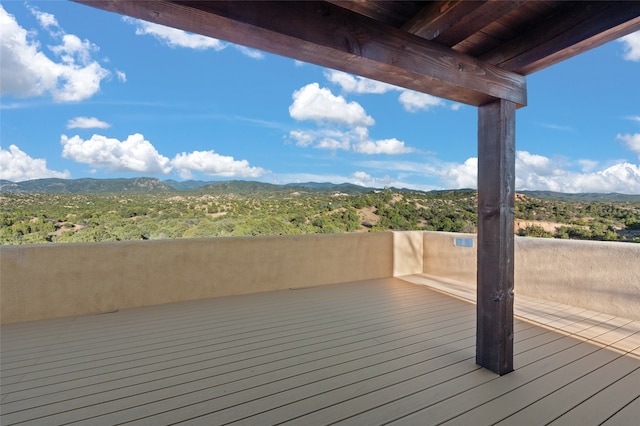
{"x":245,"y":209}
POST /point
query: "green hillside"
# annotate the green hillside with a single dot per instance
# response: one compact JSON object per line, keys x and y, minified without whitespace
{"x":90,"y":210}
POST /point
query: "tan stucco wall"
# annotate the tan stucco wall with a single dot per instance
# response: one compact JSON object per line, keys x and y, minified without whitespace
{"x":601,"y":276}
{"x":444,"y":259}
{"x":408,"y":248}
{"x":48,"y":281}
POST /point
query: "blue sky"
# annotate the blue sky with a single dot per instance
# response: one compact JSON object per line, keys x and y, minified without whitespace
{"x":87,"y":93}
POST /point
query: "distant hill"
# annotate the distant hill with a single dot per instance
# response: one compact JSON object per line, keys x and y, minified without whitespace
{"x":583,"y":197}
{"x":151,"y":185}
{"x":253,"y":188}
{"x":86,"y":186}
{"x":240,"y":187}
{"x":187,"y":185}
{"x":344,"y":188}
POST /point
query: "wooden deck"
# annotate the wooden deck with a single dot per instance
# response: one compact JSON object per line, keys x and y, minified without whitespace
{"x":364,"y":353}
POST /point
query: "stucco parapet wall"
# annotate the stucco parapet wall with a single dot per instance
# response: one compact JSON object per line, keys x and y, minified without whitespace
{"x":49,"y":281}
{"x":596,"y":275}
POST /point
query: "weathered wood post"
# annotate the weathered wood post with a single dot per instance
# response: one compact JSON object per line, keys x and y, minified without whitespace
{"x":496,"y":198}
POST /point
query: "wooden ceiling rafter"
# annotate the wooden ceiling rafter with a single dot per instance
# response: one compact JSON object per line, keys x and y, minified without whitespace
{"x":565,"y":34}
{"x":438,"y":17}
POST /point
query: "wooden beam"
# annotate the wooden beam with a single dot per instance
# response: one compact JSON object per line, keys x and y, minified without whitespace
{"x":437,"y":17}
{"x":331,"y":36}
{"x":496,"y":198}
{"x":578,"y":27}
{"x":475,"y":20}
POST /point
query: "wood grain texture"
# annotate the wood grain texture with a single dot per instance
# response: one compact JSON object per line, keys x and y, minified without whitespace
{"x":496,"y":199}
{"x":354,"y":353}
{"x":334,"y":37}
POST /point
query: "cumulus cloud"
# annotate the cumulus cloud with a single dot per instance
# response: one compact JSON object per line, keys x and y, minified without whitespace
{"x":47,"y":21}
{"x":416,"y":101}
{"x":365,"y":179}
{"x":631,"y":46}
{"x":533,"y":172}
{"x":632,"y":142}
{"x":343,"y":125}
{"x":173,"y":37}
{"x":385,"y":146}
{"x":26,"y":71}
{"x":356,"y":139}
{"x":316,"y":103}
{"x":302,"y":138}
{"x":463,"y":175}
{"x":537,"y":172}
{"x":412,"y":101}
{"x":356,"y":84}
{"x":87,"y":123}
{"x":17,"y":166}
{"x":213,"y":164}
{"x":134,"y":154}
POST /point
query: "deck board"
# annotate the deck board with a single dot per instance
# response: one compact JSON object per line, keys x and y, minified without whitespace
{"x":354,"y":353}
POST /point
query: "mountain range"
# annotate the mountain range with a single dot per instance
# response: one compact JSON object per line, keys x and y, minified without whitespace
{"x":241,"y":187}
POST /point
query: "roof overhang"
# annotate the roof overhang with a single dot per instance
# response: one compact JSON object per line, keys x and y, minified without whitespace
{"x":472,"y":52}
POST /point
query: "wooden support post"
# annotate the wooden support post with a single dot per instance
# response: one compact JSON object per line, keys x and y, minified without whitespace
{"x":496,"y":198}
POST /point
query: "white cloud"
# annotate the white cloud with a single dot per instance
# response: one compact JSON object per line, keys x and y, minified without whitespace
{"x":634,"y":118}
{"x":318,"y":104}
{"x":536,"y":172}
{"x":411,"y":100}
{"x":26,"y":71}
{"x":46,"y":20}
{"x":121,"y":76}
{"x":302,"y":138}
{"x":213,"y":164}
{"x":365,"y":179}
{"x":355,"y":139}
{"x":534,"y":163}
{"x":135,"y":154}
{"x":631,"y":46}
{"x":463,"y":175}
{"x":251,"y":53}
{"x":588,"y":165}
{"x":632,"y":142}
{"x":173,"y":37}
{"x":87,"y":123}
{"x":385,"y":146}
{"x":17,"y":166}
{"x":533,"y":172}
{"x":355,"y":84}
{"x":333,"y":144}
{"x":416,"y":101}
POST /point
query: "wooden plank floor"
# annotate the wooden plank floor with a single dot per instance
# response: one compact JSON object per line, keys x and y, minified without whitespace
{"x":374,"y":352}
